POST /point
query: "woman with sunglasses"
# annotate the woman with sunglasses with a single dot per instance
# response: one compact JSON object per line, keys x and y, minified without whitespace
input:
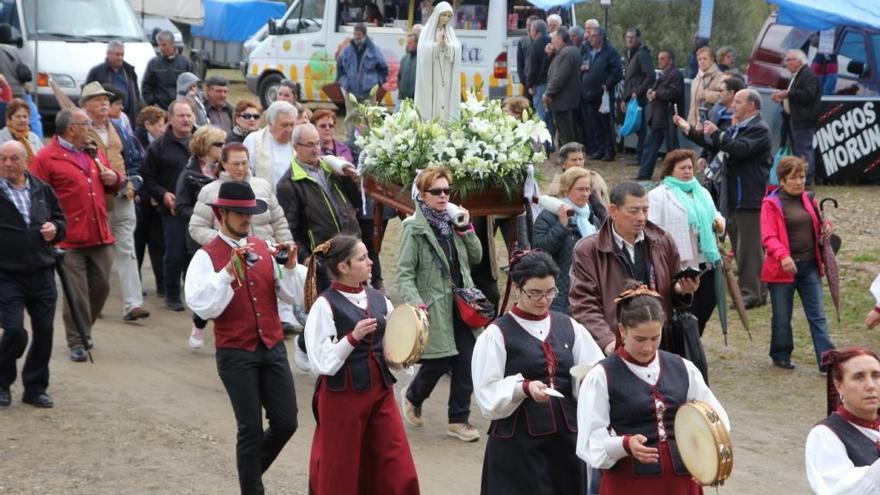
{"x":247,"y":120}
{"x":325,"y":121}
{"x":434,"y":257}
{"x":204,"y":225}
{"x":521,"y":355}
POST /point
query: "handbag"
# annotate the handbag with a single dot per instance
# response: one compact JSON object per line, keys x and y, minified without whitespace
{"x":632,"y":121}
{"x":474,"y":308}
{"x":684,"y":339}
{"x":605,"y":106}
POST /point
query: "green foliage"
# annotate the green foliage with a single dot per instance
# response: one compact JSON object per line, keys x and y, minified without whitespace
{"x":672,"y":24}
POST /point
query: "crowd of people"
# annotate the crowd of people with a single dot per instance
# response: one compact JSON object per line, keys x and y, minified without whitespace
{"x":232,"y":203}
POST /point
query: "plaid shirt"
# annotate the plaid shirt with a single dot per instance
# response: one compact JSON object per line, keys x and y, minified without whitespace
{"x":21,"y":198}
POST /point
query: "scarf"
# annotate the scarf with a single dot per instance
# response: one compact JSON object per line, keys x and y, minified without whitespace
{"x":582,"y":218}
{"x":700,"y":211}
{"x":438,"y":220}
{"x":22,"y":137}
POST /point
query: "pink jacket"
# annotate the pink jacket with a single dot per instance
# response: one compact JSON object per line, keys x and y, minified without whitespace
{"x":774,"y":237}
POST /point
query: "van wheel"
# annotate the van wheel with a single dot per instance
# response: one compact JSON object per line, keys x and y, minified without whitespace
{"x":269,"y":88}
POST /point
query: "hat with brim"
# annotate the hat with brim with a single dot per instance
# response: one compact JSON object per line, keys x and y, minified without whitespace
{"x":239,"y":197}
{"x":92,"y":90}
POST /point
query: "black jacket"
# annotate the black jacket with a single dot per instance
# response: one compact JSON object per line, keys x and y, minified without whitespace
{"x":160,"y":79}
{"x":748,"y":161}
{"x":538,"y":61}
{"x":166,"y":158}
{"x":669,"y":89}
{"x":189,"y":184}
{"x":104,"y":75}
{"x":309,"y":212}
{"x":804,"y":100}
{"x":639,"y":74}
{"x":522,"y":67}
{"x":23,"y":249}
{"x":563,"y":80}
{"x":604,"y":69}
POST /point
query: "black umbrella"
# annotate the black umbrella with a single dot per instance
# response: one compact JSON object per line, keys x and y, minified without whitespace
{"x":75,"y":315}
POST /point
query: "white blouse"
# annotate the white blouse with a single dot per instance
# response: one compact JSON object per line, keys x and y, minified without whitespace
{"x":209,"y":292}
{"x":829,"y":470}
{"x":875,"y":289}
{"x":597,"y":443}
{"x":326,"y":353}
{"x":497,"y":395}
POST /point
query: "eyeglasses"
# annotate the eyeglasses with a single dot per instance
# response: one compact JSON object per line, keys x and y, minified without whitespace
{"x":309,"y":145}
{"x":537,"y":295}
{"x":86,"y":123}
{"x":326,"y":126}
{"x":438,"y":191}
{"x":218,"y":144}
{"x":250,"y":116}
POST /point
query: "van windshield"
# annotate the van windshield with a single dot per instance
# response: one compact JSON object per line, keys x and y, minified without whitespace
{"x":86,"y":20}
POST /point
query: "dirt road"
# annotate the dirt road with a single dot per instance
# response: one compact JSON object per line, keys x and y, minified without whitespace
{"x":151,"y":416}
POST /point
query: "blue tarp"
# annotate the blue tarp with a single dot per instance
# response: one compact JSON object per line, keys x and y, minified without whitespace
{"x":237,"y":20}
{"x":818,"y":15}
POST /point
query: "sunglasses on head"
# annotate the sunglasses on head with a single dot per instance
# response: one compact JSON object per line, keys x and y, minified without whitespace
{"x":437,"y":191}
{"x":250,"y":116}
{"x":218,"y":144}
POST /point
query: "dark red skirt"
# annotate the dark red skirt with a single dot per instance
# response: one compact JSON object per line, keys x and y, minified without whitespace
{"x":622,"y":481}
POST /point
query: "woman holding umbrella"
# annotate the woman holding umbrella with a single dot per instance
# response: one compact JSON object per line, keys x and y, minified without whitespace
{"x":790,"y":232}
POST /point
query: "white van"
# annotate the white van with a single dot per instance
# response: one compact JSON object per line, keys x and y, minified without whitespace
{"x":302,"y":45}
{"x":63,"y":39}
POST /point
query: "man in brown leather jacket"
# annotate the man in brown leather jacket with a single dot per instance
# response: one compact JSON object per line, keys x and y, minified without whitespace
{"x":627,"y":246}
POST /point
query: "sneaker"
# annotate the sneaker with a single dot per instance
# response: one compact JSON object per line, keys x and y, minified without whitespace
{"x":465,"y":432}
{"x":196,"y":338}
{"x":411,"y":414}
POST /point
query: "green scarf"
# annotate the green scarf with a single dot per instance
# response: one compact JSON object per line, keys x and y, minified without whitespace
{"x":700,"y":209}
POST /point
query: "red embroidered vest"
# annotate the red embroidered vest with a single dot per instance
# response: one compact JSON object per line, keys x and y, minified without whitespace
{"x":252,"y":314}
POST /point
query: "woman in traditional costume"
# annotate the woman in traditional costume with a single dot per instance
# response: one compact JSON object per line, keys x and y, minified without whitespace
{"x":360,"y":446}
{"x":842,"y":453}
{"x":520,"y":367}
{"x":627,"y":405}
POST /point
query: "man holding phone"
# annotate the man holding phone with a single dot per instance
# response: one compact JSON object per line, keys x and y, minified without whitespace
{"x":627,"y":247}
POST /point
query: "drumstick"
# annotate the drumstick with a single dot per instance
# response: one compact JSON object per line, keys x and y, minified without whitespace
{"x":675,"y":108}
{"x":552,"y":392}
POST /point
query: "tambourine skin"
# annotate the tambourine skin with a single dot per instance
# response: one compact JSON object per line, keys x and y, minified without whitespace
{"x":704,"y":443}
{"x":406,"y":335}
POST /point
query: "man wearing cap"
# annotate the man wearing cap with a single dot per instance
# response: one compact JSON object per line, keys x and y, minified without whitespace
{"x":219,"y":110}
{"x":80,"y":178}
{"x":160,"y":77}
{"x":234,"y":280}
{"x":124,"y":157}
{"x":119,"y":73}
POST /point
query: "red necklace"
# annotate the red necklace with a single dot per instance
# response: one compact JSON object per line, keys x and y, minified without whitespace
{"x":628,"y":357}
{"x":346,"y":288}
{"x":528,"y":316}
{"x":852,"y":418}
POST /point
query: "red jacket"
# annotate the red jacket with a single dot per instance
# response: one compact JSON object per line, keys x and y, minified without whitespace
{"x":81,"y":195}
{"x":774,"y":236}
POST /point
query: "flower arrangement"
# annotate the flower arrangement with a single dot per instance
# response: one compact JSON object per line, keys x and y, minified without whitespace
{"x":485,"y":148}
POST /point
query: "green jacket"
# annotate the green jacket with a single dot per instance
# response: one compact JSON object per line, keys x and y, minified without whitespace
{"x":406,"y":77}
{"x":421,"y":280}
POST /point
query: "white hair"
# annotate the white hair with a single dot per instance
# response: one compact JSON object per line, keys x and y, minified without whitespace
{"x":554,"y":19}
{"x":298,"y":130}
{"x":114,"y":44}
{"x":279,"y":107}
{"x":591,"y":23}
{"x":798,"y":54}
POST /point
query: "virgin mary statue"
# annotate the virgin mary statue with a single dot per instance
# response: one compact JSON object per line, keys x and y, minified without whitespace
{"x":438,"y":67}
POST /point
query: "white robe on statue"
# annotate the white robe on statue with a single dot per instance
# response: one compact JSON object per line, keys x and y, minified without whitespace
{"x":438,"y":69}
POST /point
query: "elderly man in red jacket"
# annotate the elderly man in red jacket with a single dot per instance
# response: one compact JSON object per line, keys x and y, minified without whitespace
{"x":80,"y":178}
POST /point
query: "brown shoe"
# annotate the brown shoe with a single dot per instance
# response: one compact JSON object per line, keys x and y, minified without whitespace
{"x":465,"y":432}
{"x":136,"y":314}
{"x":411,"y":414}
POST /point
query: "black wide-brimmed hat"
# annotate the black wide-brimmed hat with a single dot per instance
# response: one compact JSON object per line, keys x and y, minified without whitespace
{"x":239,"y":197}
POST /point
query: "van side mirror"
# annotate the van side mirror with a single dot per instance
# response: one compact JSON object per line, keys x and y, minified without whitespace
{"x":858,"y":68}
{"x":272,"y":27}
{"x":7,"y":36}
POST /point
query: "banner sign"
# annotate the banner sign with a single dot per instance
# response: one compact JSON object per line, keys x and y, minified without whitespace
{"x":847,"y":141}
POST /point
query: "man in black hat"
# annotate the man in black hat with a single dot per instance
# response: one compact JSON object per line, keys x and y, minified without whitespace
{"x":235,"y":280}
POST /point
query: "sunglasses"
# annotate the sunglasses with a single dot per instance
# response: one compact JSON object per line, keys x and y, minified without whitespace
{"x":218,"y":144}
{"x":250,"y":116}
{"x":438,"y":191}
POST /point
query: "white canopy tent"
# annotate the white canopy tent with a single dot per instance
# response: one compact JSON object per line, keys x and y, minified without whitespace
{"x":186,"y":11}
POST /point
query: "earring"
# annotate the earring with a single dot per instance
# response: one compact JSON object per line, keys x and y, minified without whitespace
{"x":841,"y":399}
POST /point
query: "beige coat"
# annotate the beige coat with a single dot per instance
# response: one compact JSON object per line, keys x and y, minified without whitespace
{"x":705,"y":91}
{"x":270,"y":225}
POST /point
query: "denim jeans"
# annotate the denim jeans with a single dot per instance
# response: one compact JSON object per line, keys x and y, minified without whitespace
{"x":543,"y":113}
{"x":809,"y":286}
{"x":174,"y":262}
{"x":802,"y":145}
{"x":648,"y":157}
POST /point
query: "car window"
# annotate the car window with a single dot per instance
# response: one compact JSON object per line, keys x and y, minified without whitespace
{"x":306,"y":17}
{"x":518,"y":11}
{"x":471,"y":14}
{"x":9,"y":13}
{"x":851,"y":57}
{"x":377,"y":13}
{"x":781,"y":38}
